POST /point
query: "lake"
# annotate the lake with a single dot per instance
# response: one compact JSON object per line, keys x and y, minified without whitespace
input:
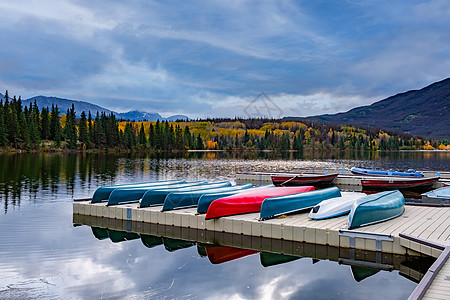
{"x":43,"y":255}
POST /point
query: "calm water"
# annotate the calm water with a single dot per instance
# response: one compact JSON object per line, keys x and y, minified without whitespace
{"x":42,"y":254}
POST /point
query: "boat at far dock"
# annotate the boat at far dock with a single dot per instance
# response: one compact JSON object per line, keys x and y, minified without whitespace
{"x":380,"y":172}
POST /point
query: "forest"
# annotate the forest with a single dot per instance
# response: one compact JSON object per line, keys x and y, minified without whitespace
{"x":30,"y":128}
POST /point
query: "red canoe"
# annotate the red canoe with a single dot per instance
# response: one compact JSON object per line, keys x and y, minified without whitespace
{"x":303,"y":179}
{"x":398,"y":182}
{"x":249,"y":201}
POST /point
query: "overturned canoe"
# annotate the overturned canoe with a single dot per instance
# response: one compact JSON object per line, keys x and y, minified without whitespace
{"x":335,"y":206}
{"x":157,"y":196}
{"x":394,"y":183}
{"x":177,"y":200}
{"x":377,"y":172}
{"x":439,"y":195}
{"x":205,"y":201}
{"x":303,"y":179}
{"x":249,"y":201}
{"x":276,"y":206}
{"x":102,"y":193}
{"x":376,"y":208}
{"x":127,"y":195}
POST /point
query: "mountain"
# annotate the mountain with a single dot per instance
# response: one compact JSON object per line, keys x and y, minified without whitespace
{"x":424,"y":112}
{"x":80,"y":106}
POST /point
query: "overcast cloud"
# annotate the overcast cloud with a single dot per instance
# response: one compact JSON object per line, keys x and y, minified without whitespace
{"x":213,"y":58}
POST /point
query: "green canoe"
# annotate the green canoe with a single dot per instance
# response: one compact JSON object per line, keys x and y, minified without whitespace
{"x":376,"y":208}
{"x":102,"y":193}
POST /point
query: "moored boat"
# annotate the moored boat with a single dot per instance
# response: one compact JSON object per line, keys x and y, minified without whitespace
{"x":102,"y":193}
{"x":177,"y":200}
{"x":127,"y":195}
{"x":335,"y":206}
{"x":398,"y":182}
{"x":276,"y":206}
{"x":157,"y":196}
{"x":378,"y":172}
{"x":441,"y":195}
{"x":205,"y":200}
{"x":303,"y":179}
{"x":376,"y":208}
{"x":250,"y":201}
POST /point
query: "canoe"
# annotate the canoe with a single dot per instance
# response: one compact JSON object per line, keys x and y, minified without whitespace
{"x":221,"y":254}
{"x":335,"y":206}
{"x":377,"y":172}
{"x":205,"y":201}
{"x":303,"y":179}
{"x":127,"y":195}
{"x":176,"y":200}
{"x":439,"y":196}
{"x":249,"y":201}
{"x":276,"y":206}
{"x":376,"y":208}
{"x":102,"y":193}
{"x":394,"y":183}
{"x":157,"y":196}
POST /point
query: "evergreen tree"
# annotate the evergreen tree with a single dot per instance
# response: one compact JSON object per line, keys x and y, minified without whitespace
{"x":83,"y":134}
{"x":142,"y":136}
{"x":70,"y":131}
{"x":55,"y":126}
{"x":45,"y":124}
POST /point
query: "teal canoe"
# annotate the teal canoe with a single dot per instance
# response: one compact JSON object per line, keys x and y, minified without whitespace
{"x":102,"y":193}
{"x":276,"y":206}
{"x":157,"y":196}
{"x":205,"y":201}
{"x":177,"y":200}
{"x":127,"y":195}
{"x":376,"y":208}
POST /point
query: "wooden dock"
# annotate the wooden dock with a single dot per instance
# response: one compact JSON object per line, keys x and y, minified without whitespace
{"x":429,"y":224}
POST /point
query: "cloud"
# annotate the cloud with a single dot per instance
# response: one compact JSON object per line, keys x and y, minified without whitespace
{"x":169,"y":57}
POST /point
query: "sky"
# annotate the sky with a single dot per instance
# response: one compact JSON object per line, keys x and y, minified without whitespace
{"x":210,"y":58}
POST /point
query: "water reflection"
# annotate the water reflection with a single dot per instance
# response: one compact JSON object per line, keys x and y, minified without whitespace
{"x":222,"y":248}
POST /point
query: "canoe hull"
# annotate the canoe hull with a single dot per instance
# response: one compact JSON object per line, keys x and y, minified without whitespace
{"x":394,"y":183}
{"x":102,"y":193}
{"x":276,"y":206}
{"x":127,"y":195}
{"x":248,"y":202}
{"x":157,"y":197}
{"x":303,"y":179}
{"x":376,"y":208}
{"x":335,"y":207}
{"x":205,"y":201}
{"x":178,"y":200}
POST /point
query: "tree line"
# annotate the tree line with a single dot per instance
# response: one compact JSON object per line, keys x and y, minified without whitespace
{"x":31,"y":128}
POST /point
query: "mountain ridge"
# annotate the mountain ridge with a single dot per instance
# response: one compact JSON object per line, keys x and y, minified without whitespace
{"x":80,"y":106}
{"x":424,"y":112}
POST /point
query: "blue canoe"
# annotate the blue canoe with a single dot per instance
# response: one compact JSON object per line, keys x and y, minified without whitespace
{"x":376,"y":172}
{"x":102,"y":193}
{"x":376,"y":208}
{"x":276,"y":206}
{"x":439,"y":196}
{"x":177,"y":200}
{"x":205,"y":201}
{"x":127,"y":195}
{"x":157,"y":196}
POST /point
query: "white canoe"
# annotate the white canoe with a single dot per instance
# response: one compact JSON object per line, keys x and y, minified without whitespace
{"x":335,"y":206}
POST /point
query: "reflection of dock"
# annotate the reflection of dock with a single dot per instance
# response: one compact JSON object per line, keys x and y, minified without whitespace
{"x":221,"y":247}
{"x":419,"y":231}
